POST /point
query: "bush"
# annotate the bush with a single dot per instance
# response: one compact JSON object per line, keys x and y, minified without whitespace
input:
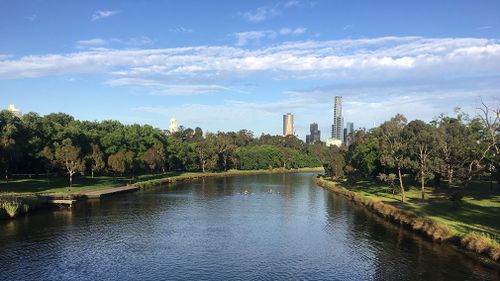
{"x":456,"y":198}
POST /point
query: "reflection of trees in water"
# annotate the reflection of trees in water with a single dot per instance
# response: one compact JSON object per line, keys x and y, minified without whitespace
{"x":397,"y":253}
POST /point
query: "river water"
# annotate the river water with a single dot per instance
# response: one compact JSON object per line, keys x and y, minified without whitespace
{"x":265,"y":227}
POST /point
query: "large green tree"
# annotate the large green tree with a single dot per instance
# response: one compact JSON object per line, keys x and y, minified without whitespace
{"x":69,"y":158}
{"x":394,"y":147}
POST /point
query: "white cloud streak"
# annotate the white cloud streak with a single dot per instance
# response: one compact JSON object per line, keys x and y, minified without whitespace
{"x":266,"y":12}
{"x":377,"y":58}
{"x":100,"y":14}
{"x":244,"y":38}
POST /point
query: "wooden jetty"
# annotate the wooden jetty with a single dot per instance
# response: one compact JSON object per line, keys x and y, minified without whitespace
{"x":109,"y":191}
{"x":62,"y":202}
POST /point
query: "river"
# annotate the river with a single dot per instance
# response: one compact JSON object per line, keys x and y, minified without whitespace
{"x":265,"y":227}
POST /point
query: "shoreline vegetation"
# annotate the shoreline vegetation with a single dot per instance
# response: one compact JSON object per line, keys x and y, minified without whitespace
{"x":13,"y":205}
{"x":467,"y":235}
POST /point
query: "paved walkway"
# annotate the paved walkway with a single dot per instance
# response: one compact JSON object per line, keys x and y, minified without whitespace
{"x":108,"y":191}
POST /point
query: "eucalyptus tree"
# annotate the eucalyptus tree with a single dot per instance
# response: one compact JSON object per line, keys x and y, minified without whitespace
{"x":422,"y":145}
{"x":69,"y":158}
{"x":96,"y":159}
{"x":489,"y":156}
{"x":457,"y":146}
{"x":393,"y":147}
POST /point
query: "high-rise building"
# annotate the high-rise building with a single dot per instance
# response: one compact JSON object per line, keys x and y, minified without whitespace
{"x":173,"y":125}
{"x":16,"y":111}
{"x":338,"y":120}
{"x":287,"y":124}
{"x":315,"y":134}
{"x":349,"y":128}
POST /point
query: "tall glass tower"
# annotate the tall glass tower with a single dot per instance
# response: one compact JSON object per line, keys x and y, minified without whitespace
{"x":338,"y":120}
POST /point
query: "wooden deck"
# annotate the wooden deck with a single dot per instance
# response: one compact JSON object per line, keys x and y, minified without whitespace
{"x":109,"y":191}
{"x":62,"y":202}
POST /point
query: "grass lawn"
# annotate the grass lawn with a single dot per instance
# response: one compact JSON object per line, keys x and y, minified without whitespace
{"x":479,"y":211}
{"x":60,"y":185}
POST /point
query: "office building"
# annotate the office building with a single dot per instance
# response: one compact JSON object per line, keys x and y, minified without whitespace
{"x":288,"y":124}
{"x":315,"y":134}
{"x":338,"y":120}
{"x":349,"y":128}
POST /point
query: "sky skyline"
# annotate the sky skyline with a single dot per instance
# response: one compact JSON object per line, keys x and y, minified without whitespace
{"x":234,"y":65}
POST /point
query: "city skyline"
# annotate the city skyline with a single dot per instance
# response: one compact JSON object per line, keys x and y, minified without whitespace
{"x":140,"y":62}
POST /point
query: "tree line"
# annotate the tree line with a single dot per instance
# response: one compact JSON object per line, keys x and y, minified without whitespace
{"x":58,"y":143}
{"x":452,"y":149}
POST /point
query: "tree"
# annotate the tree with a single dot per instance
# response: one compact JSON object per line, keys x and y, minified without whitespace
{"x":489,"y":156}
{"x":422,"y":143}
{"x":207,"y":152}
{"x":334,"y":167}
{"x":155,"y":157}
{"x":393,"y":147}
{"x":68,"y":157}
{"x":456,"y":145}
{"x":96,"y":159}
{"x":121,"y":162}
{"x":47,"y":158}
{"x":10,"y":144}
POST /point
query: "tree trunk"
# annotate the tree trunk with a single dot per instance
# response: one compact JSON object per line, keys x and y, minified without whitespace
{"x":403,"y":195}
{"x":450,"y":176}
{"x":70,"y":180}
{"x":92,"y":172}
{"x":422,"y":179}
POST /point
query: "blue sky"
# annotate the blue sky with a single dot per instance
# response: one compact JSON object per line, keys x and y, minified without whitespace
{"x":227,"y":65}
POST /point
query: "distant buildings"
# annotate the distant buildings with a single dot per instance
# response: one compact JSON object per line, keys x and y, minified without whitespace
{"x":173,"y":125}
{"x":288,"y":124}
{"x":16,"y":111}
{"x":315,"y":134}
{"x":349,"y":128}
{"x":338,"y":120}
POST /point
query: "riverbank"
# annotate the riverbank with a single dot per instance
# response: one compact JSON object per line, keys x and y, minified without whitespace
{"x":33,"y":197}
{"x":230,"y":173}
{"x":430,"y":224}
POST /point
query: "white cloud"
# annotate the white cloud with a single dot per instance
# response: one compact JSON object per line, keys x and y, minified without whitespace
{"x":244,"y":38}
{"x":376,"y":59}
{"x":346,"y":27}
{"x":90,"y":43}
{"x":157,"y":87}
{"x":485,"y":27}
{"x":99,"y":14}
{"x":269,"y":11}
{"x":181,"y":29}
{"x":30,"y":18}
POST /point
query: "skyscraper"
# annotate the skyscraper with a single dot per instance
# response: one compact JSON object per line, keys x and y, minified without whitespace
{"x":287,"y":124}
{"x":338,"y":120}
{"x":315,"y":134}
{"x":349,"y":128}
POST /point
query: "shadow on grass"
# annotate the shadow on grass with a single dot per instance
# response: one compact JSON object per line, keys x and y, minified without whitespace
{"x":44,"y":185}
{"x":467,"y":216}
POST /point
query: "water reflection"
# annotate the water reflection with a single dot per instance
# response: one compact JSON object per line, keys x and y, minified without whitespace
{"x":284,"y":228}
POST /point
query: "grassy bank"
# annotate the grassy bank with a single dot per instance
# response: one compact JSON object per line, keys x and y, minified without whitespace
{"x":59,"y":185}
{"x":474,"y":224}
{"x":12,"y":206}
